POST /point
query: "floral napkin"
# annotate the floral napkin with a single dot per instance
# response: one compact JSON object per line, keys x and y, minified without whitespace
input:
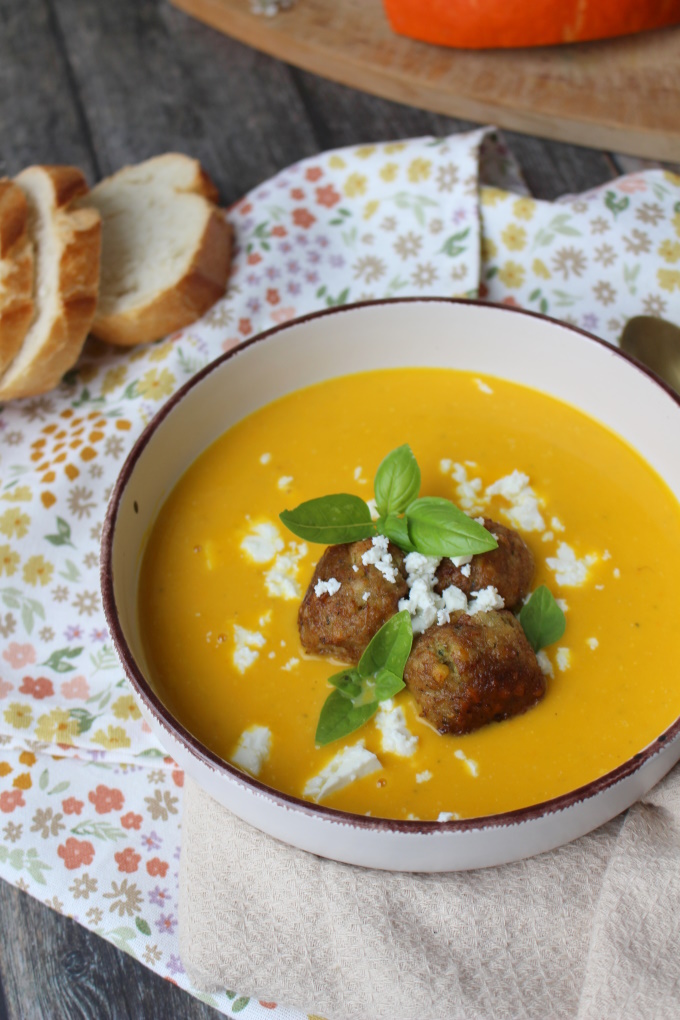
{"x":90,"y":805}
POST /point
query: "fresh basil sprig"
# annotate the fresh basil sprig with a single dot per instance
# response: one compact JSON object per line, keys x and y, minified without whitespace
{"x":430,"y":525}
{"x":377,"y":677}
{"x":542,"y":619}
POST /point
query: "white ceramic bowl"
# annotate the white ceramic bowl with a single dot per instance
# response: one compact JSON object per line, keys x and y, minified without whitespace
{"x":497,"y":341}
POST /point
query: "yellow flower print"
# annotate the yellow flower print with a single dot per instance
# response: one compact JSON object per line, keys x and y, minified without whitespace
{"x":355,"y":185}
{"x":22,"y":781}
{"x":159,"y":352}
{"x":419,"y":169}
{"x":27,"y":758}
{"x":114,"y":737}
{"x":668,"y":279}
{"x":489,"y":249}
{"x":523,"y":208}
{"x":14,"y":523}
{"x":540,"y":269}
{"x":155,"y":384}
{"x":20,"y":494}
{"x":114,"y":378}
{"x":364,"y":151}
{"x":57,"y":726}
{"x":19,"y":716}
{"x":126,"y":708}
{"x":514,"y":238}
{"x":8,"y":560}
{"x":492,"y":196}
{"x":337,"y":163}
{"x":389,"y":171}
{"x":512,"y":274}
{"x":370,"y":209}
{"x":393,"y":147}
{"x":670,"y":251}
{"x":676,"y":223}
{"x":37,"y":570}
{"x":672,"y":178}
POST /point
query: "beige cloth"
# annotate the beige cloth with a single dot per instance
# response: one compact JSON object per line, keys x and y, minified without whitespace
{"x":590,"y":931}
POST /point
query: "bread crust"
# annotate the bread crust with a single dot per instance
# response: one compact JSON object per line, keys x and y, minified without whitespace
{"x":183,"y":302}
{"x":16,"y":272}
{"x":51,"y":348}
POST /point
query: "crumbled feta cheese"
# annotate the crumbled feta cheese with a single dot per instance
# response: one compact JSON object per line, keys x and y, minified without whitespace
{"x":563,"y":659}
{"x":422,"y":603}
{"x":448,"y":816}
{"x":366,"y":596}
{"x":482,"y":386}
{"x":423,"y":777}
{"x":599,"y":587}
{"x":246,"y":644}
{"x":470,"y":764}
{"x":285,"y":481}
{"x":445,"y":465}
{"x":616,"y":572}
{"x":291,"y":664}
{"x":547,"y":536}
{"x":373,"y":508}
{"x":460,"y":561}
{"x":567,"y":568}
{"x":265,"y":458}
{"x":380,"y":557}
{"x":465,"y":570}
{"x":592,"y":643}
{"x":357,"y":476}
{"x":606,"y":555}
{"x":265,"y":618}
{"x":484,"y":600}
{"x":545,"y":663}
{"x":468,"y":490}
{"x":562,"y":603}
{"x":348,"y":765}
{"x":524,"y":511}
{"x":263,"y":542}
{"x":355,"y":568}
{"x":328,"y":587}
{"x":556,"y":524}
{"x":396,"y":736}
{"x":252,"y":749}
{"x":281,"y":578}
{"x":272,"y":655}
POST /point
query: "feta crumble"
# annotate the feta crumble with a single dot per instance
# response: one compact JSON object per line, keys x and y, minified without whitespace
{"x":291,"y":664}
{"x":524,"y":511}
{"x":247,"y":643}
{"x":252,"y":749}
{"x":563,"y":659}
{"x":461,"y":561}
{"x":380,"y":557}
{"x":448,"y":816}
{"x":592,"y":643}
{"x":328,"y":587}
{"x":468,"y":490}
{"x":348,"y":765}
{"x":366,"y":596}
{"x":281,"y":579}
{"x":445,"y":465}
{"x":423,"y":777}
{"x":482,"y":386}
{"x":465,"y":570}
{"x":263,"y":542}
{"x":422,"y":603}
{"x":556,"y":524}
{"x":545,"y":663}
{"x":285,"y":481}
{"x":616,"y":573}
{"x":470,"y":764}
{"x":265,"y":458}
{"x":373,"y":509}
{"x":547,"y":536}
{"x":396,"y":736}
{"x":357,"y":476}
{"x":568,"y":569}
{"x":484,"y":600}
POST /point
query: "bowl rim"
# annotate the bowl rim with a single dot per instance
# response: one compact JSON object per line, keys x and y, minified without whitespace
{"x":203,"y":755}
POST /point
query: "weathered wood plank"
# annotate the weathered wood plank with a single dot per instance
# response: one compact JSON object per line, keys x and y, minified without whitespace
{"x":53,"y":969}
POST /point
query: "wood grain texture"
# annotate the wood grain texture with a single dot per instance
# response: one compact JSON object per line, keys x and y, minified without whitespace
{"x":621,"y":93}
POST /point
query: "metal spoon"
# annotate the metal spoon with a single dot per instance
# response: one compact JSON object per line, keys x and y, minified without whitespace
{"x":656,"y":343}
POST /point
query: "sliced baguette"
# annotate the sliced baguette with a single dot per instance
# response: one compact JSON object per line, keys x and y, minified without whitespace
{"x":166,"y":249}
{"x":16,"y":272}
{"x":67,"y":244}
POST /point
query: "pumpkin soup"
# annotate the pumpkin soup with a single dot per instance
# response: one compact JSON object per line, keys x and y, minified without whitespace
{"x":222,"y":581}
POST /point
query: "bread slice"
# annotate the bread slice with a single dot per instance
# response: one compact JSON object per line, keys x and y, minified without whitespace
{"x":67,"y":244}
{"x":16,"y":271}
{"x":166,"y":249}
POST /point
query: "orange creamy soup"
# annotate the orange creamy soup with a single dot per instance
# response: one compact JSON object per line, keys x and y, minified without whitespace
{"x":222,"y":579}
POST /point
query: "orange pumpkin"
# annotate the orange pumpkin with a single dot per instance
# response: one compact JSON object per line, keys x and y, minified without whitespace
{"x":492,"y":24}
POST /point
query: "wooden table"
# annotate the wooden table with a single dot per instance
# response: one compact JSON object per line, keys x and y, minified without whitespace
{"x":101,"y":84}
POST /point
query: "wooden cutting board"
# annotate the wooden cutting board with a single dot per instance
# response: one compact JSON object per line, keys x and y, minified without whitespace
{"x":620,"y":94}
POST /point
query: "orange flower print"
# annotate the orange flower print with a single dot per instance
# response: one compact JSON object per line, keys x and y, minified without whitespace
{"x":273,"y":296}
{"x":178,"y":777}
{"x":254,"y":258}
{"x":245,"y":326}
{"x":72,"y":806}
{"x":297,"y":193}
{"x":11,"y":799}
{"x":303,"y":218}
{"x":38,"y":688}
{"x":106,"y":799}
{"x":157,"y":868}
{"x":279,"y":231}
{"x":131,"y":821}
{"x":328,"y":196}
{"x":64,"y":444}
{"x":127,"y":860}
{"x":75,"y":853}
{"x":18,"y":655}
{"x":313,"y":173}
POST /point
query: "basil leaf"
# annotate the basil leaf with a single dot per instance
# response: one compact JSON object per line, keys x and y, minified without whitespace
{"x":397,"y":481}
{"x":387,"y":684}
{"x":389,"y":648}
{"x":396,"y":529}
{"x":542,"y":619}
{"x":348,"y":682}
{"x":438,"y":528}
{"x":330,"y":519}
{"x":339,"y":717}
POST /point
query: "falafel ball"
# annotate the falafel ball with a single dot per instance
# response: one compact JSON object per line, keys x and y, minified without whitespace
{"x":342,"y":624}
{"x":473,"y":670}
{"x":509,"y":568}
